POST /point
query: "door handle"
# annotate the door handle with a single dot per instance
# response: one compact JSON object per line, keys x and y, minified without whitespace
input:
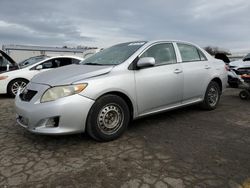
{"x":207,"y":67}
{"x":177,"y":71}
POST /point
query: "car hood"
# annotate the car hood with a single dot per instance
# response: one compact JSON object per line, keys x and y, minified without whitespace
{"x":69,"y":74}
{"x":240,"y":63}
{"x":8,"y":58}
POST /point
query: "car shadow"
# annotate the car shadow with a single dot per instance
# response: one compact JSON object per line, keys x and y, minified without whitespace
{"x":163,"y":116}
{"x":4,"y":96}
{"x":57,"y":140}
{"x":135,"y":125}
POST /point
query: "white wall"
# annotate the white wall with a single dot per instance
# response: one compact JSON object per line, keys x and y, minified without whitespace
{"x":20,"y":55}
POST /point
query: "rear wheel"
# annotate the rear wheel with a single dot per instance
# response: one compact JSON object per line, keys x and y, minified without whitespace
{"x":244,"y":95}
{"x":212,"y":96}
{"x":15,"y":85}
{"x":108,"y":118}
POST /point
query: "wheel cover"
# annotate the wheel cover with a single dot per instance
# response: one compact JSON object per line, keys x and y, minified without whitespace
{"x":244,"y":94}
{"x":17,"y":85}
{"x":213,"y":96}
{"x":110,"y":119}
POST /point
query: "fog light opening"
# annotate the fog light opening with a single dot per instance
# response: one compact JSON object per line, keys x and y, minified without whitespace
{"x":52,"y":122}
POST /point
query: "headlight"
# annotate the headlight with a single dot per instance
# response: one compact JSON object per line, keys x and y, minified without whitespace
{"x":55,"y":93}
{"x":3,"y":77}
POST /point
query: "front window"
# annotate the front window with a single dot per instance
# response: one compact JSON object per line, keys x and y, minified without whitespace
{"x":162,"y":53}
{"x":114,"y":55}
{"x":59,"y":62}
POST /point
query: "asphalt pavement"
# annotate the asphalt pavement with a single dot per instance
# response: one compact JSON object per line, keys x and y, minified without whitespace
{"x":186,"y":147}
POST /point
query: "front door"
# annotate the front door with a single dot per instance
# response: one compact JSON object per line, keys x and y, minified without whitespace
{"x":160,"y":86}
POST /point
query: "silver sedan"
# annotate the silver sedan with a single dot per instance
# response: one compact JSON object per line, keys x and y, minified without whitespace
{"x":105,"y":92}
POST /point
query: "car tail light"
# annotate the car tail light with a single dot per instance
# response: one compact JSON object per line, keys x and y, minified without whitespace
{"x":227,"y":68}
{"x":245,"y":76}
{"x":3,"y":77}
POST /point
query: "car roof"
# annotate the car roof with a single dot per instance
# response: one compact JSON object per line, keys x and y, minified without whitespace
{"x":170,"y":40}
{"x":61,"y":56}
{"x":65,"y":56}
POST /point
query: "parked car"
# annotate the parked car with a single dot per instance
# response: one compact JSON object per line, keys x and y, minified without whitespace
{"x":119,"y":84}
{"x":8,"y":64}
{"x":13,"y":80}
{"x":240,"y":67}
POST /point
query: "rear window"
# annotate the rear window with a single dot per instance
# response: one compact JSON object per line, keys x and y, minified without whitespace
{"x":190,"y":53}
{"x":247,"y":57}
{"x":31,"y":61}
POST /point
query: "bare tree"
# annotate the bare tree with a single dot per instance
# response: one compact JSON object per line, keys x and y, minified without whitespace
{"x":213,"y":50}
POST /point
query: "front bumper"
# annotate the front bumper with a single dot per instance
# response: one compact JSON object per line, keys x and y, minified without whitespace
{"x":71,"y":111}
{"x":3,"y":86}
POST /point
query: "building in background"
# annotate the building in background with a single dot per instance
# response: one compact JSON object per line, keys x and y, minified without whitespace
{"x":22,"y":52}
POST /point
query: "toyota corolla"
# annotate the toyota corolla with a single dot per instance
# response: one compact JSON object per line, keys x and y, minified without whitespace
{"x":105,"y":92}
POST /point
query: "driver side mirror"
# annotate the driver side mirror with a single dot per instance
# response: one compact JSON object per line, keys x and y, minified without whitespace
{"x":39,"y":67}
{"x":146,"y":62}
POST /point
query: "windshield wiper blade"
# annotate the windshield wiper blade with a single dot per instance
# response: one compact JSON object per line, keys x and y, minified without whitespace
{"x":99,"y":64}
{"x":89,"y":63}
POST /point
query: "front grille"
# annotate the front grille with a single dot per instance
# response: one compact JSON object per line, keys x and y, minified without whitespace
{"x":27,"y":95}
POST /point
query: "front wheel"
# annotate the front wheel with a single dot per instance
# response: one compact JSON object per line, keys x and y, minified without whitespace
{"x":15,"y":85}
{"x":108,"y":118}
{"x":244,"y":95}
{"x":212,"y":96}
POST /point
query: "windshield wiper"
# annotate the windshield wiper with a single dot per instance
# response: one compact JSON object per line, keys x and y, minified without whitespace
{"x":90,"y":63}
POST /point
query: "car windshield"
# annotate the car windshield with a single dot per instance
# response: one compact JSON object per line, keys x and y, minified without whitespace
{"x":247,"y":57}
{"x":114,"y":55}
{"x":31,"y":61}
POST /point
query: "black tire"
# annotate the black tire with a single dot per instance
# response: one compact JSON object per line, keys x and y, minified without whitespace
{"x":108,"y":111}
{"x":208,"y":102}
{"x":244,"y":95}
{"x":14,"y":83}
{"x":233,"y":85}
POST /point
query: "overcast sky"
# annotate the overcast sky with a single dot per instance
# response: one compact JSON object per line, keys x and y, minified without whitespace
{"x":223,"y":23}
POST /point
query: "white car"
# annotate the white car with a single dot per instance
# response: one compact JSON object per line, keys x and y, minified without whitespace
{"x":240,"y":67}
{"x":121,"y":83}
{"x":245,"y":62}
{"x":12,"y":80}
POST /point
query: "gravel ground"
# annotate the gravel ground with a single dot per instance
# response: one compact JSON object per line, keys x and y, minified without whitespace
{"x":183,"y":148}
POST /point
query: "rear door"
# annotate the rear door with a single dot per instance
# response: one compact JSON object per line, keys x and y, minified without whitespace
{"x":160,"y":86}
{"x":195,"y":70}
